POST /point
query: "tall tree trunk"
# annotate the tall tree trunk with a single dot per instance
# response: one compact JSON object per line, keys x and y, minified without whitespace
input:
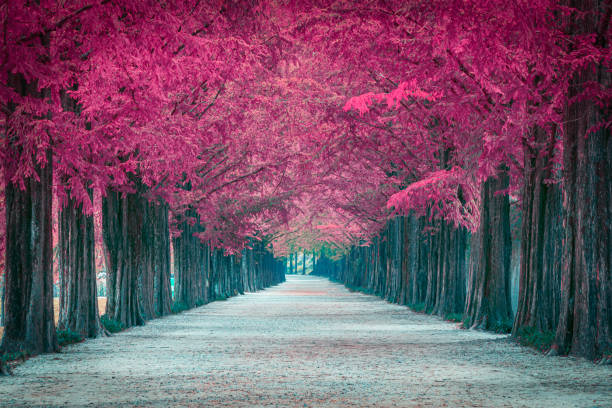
{"x":147,"y":267}
{"x":2,"y":300}
{"x":419,"y":250}
{"x":157,"y":237}
{"x":394,"y":259}
{"x":191,"y":267}
{"x":541,"y":240}
{"x":314,"y":260}
{"x":122,"y":227}
{"x":488,"y":300}
{"x":585,"y":323}
{"x":433,"y":262}
{"x":29,"y":324}
{"x":78,"y":301}
{"x":451,"y":295}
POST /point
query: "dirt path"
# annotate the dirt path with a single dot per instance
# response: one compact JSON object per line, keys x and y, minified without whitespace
{"x":307,"y":342}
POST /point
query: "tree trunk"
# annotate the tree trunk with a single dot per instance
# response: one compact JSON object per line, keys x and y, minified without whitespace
{"x":29,"y":324}
{"x":78,"y":301}
{"x":157,"y":237}
{"x":585,"y":323}
{"x":2,"y":301}
{"x":541,"y":240}
{"x":451,"y":295}
{"x":433,"y":261}
{"x":314,"y":260}
{"x":418,"y":261}
{"x":394,"y":260}
{"x":122,"y":227}
{"x":488,"y":300}
{"x":191,"y":273}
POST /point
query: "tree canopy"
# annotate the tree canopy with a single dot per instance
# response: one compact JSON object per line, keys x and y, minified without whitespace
{"x":306,"y":121}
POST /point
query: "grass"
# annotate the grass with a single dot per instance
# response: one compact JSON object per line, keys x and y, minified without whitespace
{"x":454,"y":317}
{"x":534,"y":338}
{"x":361,"y":289}
{"x":503,"y":327}
{"x":178,"y":307}
{"x":417,"y":307}
{"x":220,"y":298}
{"x":19,"y":355}
{"x":112,"y":326}
{"x":65,"y":337}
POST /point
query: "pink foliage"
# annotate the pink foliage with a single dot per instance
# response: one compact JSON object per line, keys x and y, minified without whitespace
{"x":304,"y":121}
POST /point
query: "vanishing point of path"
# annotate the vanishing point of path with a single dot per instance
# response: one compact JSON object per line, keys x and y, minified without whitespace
{"x":307,"y":342}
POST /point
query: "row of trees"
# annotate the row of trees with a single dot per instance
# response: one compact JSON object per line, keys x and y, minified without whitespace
{"x":137,"y":243}
{"x":477,"y":104}
{"x":443,"y":269}
{"x":293,"y":262}
{"x":124,"y":119}
{"x":306,"y":122}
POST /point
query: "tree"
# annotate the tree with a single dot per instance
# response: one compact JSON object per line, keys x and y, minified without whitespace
{"x":488,"y":299}
{"x":585,"y":322}
{"x":541,"y":239}
{"x":77,"y":272}
{"x":193,"y":267}
{"x":123,"y":221}
{"x":29,"y":324}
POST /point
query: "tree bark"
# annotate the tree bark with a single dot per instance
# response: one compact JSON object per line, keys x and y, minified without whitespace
{"x":419,"y":261}
{"x":433,"y":263}
{"x":29,"y":323}
{"x":394,"y":260}
{"x":156,"y":238}
{"x":541,"y":240}
{"x":488,"y":300}
{"x":122,"y":227}
{"x":585,"y":323}
{"x":451,"y":288}
{"x":78,"y":301}
{"x":314,"y":260}
{"x":192,"y":277}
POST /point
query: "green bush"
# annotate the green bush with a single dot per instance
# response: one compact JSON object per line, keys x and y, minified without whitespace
{"x":532,"y":337}
{"x":65,"y":337}
{"x":220,"y":297}
{"x":112,"y":326}
{"x":178,"y":307}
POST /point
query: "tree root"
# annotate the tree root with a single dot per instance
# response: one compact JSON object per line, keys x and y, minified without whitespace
{"x":5,"y":369}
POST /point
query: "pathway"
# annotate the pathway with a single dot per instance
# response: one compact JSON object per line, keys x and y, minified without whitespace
{"x":305,"y":343}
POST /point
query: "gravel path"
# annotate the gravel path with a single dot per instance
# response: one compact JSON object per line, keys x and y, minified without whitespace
{"x":305,"y":343}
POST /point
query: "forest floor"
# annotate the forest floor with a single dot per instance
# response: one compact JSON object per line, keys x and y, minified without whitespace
{"x":307,"y":342}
